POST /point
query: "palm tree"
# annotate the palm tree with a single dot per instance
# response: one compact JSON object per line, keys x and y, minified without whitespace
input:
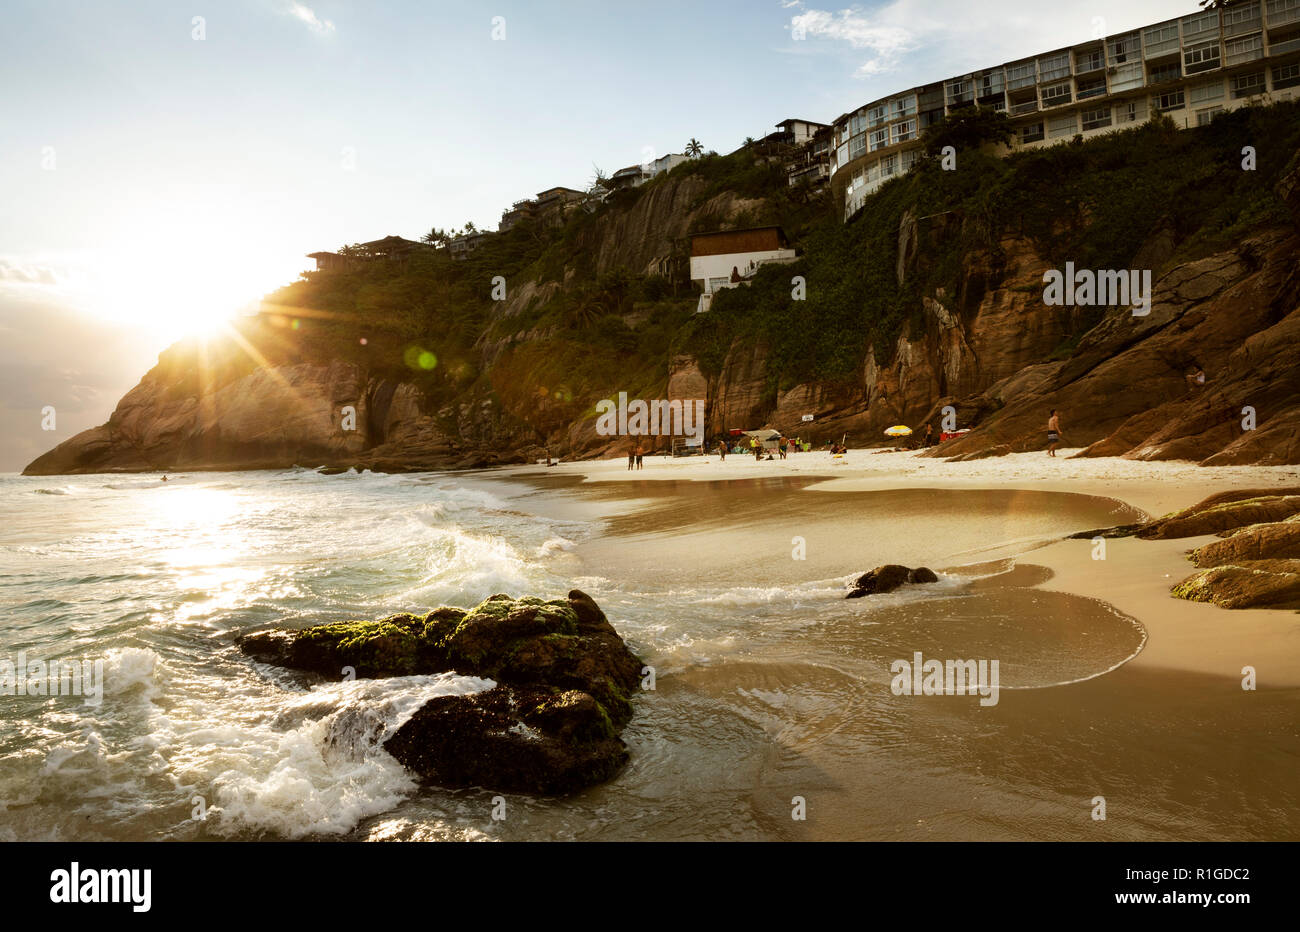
{"x":693,"y":148}
{"x":436,"y":237}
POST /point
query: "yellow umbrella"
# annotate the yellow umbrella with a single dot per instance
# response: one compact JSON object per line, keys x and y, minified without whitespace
{"x":898,"y":430}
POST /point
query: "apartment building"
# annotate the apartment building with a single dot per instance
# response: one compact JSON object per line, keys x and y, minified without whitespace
{"x":1190,"y":68}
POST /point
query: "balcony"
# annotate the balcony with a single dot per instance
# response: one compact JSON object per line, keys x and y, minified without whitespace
{"x":1086,"y":91}
{"x":1029,"y":106}
{"x":1282,"y":12}
{"x":1242,"y":51}
{"x":1284,"y":48}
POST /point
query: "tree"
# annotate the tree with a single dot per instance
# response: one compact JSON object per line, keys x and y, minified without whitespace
{"x":693,"y":148}
{"x":967,"y":128}
{"x":470,"y":229}
{"x":436,"y":237}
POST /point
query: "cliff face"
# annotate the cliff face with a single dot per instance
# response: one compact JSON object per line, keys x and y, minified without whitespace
{"x":988,"y":347}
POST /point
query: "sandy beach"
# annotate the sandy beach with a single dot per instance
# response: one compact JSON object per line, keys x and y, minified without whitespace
{"x":1135,"y":576}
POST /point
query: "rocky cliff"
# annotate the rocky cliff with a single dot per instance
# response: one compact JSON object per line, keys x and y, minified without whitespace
{"x":522,"y":382}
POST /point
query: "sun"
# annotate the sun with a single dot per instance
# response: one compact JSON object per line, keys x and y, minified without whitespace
{"x":181,"y":275}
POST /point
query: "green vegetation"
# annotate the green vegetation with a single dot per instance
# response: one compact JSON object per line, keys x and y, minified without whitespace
{"x":576,"y":329}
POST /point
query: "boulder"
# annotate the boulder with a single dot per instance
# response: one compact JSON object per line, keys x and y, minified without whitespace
{"x":1248,"y":584}
{"x":1224,"y":513}
{"x":1279,"y":540}
{"x":517,"y":739}
{"x":889,"y":577}
{"x":551,"y":726}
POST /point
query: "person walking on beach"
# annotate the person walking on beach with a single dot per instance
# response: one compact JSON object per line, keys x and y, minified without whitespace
{"x":639,"y":454}
{"x":722,"y":451}
{"x":631,"y":456}
{"x":1053,"y":432}
{"x":782,"y":446}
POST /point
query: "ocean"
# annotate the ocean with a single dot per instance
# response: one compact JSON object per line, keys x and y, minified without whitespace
{"x":770,"y":687}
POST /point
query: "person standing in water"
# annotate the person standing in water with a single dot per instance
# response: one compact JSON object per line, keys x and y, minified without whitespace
{"x":1053,"y":432}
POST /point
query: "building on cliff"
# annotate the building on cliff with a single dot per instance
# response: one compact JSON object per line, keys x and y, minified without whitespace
{"x":1189,"y":68}
{"x":729,"y":258}
{"x":461,"y":246}
{"x":390,"y":247}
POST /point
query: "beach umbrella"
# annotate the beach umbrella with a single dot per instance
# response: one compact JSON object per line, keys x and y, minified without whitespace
{"x":898,"y":430}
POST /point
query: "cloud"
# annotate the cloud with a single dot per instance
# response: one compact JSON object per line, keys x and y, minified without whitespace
{"x":884,"y":42}
{"x":953,"y":36}
{"x":26,"y":274}
{"x":308,"y":16}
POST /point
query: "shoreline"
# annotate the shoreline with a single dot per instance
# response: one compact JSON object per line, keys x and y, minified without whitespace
{"x":1134,"y":578}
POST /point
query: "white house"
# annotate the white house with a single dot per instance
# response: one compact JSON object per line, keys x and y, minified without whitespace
{"x":729,"y":258}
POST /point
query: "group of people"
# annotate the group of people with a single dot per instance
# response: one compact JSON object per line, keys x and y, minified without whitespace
{"x":635,"y":455}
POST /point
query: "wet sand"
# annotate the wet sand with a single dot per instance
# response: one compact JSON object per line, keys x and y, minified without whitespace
{"x":773,"y":687}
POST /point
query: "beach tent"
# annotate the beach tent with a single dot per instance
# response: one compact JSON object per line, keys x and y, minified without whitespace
{"x":767,"y":437}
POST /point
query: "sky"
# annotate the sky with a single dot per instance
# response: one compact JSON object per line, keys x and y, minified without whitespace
{"x":164,"y":164}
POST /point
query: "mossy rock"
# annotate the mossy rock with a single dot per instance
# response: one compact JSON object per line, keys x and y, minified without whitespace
{"x":1214,"y":515}
{"x":565,"y":684}
{"x":517,"y":739}
{"x":1248,"y":584}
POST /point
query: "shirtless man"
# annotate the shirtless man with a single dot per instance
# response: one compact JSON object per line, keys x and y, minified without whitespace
{"x":1053,"y":432}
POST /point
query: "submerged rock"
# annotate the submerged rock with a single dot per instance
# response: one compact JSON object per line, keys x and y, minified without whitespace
{"x":551,"y":725}
{"x":889,"y":577}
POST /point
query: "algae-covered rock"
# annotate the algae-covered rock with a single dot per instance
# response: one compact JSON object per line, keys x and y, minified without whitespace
{"x":566,"y":681}
{"x":1248,"y":584}
{"x":1224,"y":512}
{"x":519,"y":739}
{"x":1277,"y":540}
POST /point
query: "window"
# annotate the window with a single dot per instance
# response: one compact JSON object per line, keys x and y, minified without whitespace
{"x":842,"y":155}
{"x":1242,"y":18}
{"x":1243,"y":50}
{"x":991,"y":83}
{"x":904,"y":131}
{"x":1134,"y":111}
{"x":1286,"y":76}
{"x":1066,"y":125}
{"x":1092,"y":87}
{"x":876,"y":115}
{"x":1203,"y":117}
{"x":1245,"y":85}
{"x":1031,"y":133}
{"x":1091,"y":60}
{"x":888,"y":165}
{"x":1123,"y":49}
{"x":1171,"y":100}
{"x":1162,"y":73}
{"x":1126,"y":77}
{"x":1206,"y":92}
{"x":1160,"y":40}
{"x":958,"y":92}
{"x":1056,"y":94}
{"x":1096,"y":119}
{"x":857,"y":147}
{"x":879,"y":137}
{"x":1196,"y":25}
{"x":1053,"y":67}
{"x":1021,"y":75}
{"x":1201,"y":57}
{"x":904,"y":107}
